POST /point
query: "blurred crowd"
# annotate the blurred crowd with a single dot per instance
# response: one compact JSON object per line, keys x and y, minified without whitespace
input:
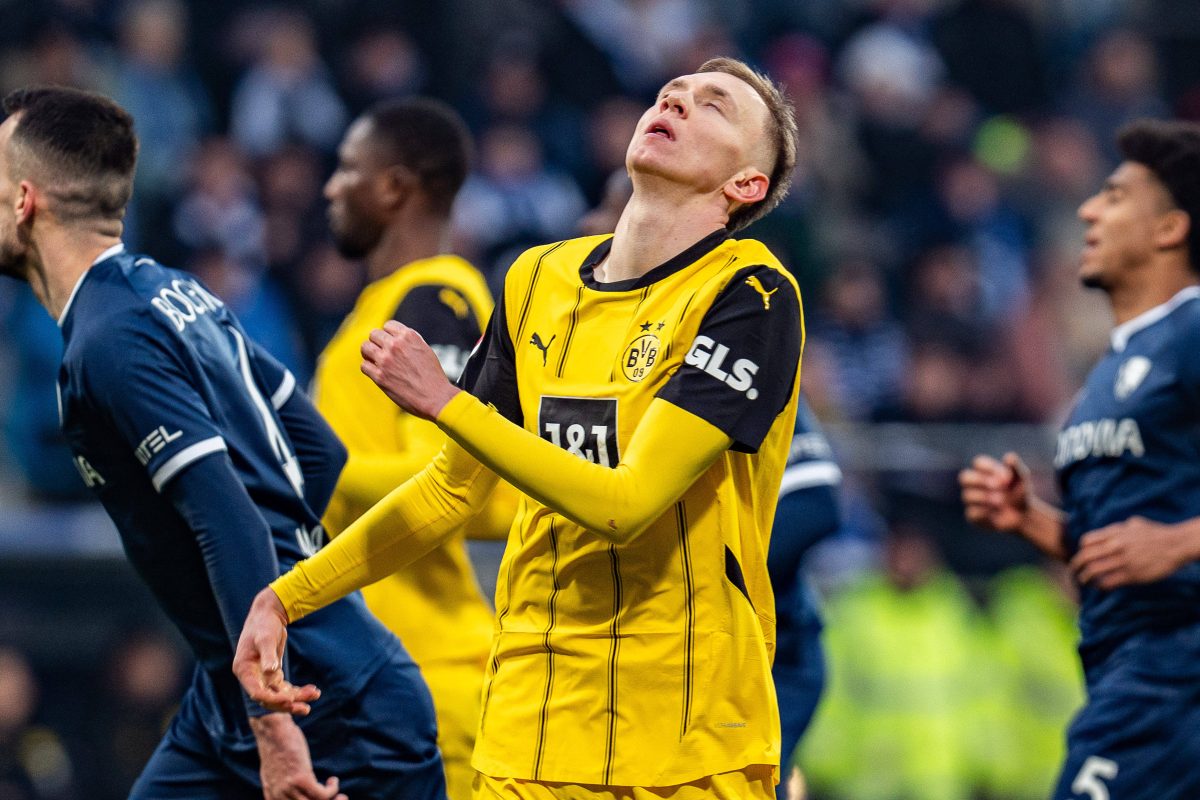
{"x":945,"y":147}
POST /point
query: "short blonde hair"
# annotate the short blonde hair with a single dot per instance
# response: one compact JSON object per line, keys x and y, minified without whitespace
{"x":781,"y":132}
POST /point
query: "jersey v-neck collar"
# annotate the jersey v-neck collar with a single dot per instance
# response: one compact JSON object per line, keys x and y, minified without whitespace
{"x":115,"y":250}
{"x":1121,"y":334}
{"x":587,"y":272}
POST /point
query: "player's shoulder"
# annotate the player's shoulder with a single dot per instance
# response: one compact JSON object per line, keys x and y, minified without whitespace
{"x":1174,"y":334}
{"x":443,"y":269}
{"x":131,"y":305}
{"x":756,"y":278}
{"x":752,"y":251}
{"x":1184,"y":322}
{"x":562,"y":257}
{"x":443,"y":279}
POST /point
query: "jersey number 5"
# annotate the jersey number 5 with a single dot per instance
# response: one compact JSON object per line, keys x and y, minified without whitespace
{"x":583,"y":426}
{"x":1091,"y":775}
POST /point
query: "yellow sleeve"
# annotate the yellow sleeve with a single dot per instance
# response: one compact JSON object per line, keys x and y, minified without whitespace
{"x":668,"y":451}
{"x":367,"y":479}
{"x":405,"y":525}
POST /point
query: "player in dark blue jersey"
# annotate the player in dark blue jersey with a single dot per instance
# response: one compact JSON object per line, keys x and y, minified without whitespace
{"x":807,"y":512}
{"x":215,"y":471}
{"x":1128,"y":463}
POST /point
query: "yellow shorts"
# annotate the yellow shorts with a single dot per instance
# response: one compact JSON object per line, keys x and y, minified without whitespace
{"x":457,"y":690}
{"x":753,"y":783}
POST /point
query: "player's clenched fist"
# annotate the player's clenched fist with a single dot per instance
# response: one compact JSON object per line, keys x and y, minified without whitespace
{"x":258,"y":662}
{"x":407,"y":370}
{"x":996,"y":494}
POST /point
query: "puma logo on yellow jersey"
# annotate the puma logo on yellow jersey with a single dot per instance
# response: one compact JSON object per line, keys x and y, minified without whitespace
{"x":536,"y":341}
{"x":754,"y":283}
{"x":455,"y":302}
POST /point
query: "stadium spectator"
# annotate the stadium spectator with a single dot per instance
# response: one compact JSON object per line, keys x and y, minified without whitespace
{"x":287,"y":94}
{"x":901,"y":653}
{"x":171,"y":106}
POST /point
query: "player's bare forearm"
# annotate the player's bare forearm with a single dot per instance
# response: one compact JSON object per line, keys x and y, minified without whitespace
{"x":1186,"y":541}
{"x":1044,"y":526}
{"x":285,"y":762}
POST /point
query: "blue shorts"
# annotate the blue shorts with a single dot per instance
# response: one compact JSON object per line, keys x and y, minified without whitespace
{"x":382,"y":743}
{"x":799,"y":680}
{"x":1138,"y":737}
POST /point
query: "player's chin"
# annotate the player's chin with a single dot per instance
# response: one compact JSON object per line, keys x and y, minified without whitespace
{"x":1092,"y":279}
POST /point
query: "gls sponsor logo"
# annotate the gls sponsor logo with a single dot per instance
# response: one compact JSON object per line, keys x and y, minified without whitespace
{"x":708,"y":356}
{"x":184,"y":301}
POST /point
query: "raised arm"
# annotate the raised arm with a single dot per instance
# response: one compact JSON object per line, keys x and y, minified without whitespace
{"x":694,"y":418}
{"x":669,"y":449}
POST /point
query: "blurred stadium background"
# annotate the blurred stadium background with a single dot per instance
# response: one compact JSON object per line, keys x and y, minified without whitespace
{"x":945,"y":147}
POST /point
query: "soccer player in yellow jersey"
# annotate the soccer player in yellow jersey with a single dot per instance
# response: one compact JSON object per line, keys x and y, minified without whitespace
{"x":640,"y":389}
{"x":400,"y":166}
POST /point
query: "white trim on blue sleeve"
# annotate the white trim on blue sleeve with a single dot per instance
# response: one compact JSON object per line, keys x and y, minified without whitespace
{"x":284,"y":392}
{"x":184,"y":457}
{"x":809,"y":474}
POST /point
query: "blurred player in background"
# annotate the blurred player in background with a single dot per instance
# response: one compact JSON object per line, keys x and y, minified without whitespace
{"x":214,"y":469}
{"x":1128,"y":464}
{"x":641,"y":391}
{"x":806,"y":514}
{"x":400,"y":166}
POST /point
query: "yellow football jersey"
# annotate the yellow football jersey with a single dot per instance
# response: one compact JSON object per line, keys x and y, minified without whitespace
{"x":434,"y":605}
{"x":644,"y":664}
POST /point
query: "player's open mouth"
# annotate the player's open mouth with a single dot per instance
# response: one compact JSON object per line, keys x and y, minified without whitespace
{"x":660,"y":129}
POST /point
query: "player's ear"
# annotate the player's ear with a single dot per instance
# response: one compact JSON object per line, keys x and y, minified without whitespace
{"x":26,"y":202}
{"x":1172,"y":229}
{"x":748,"y":186}
{"x":398,"y":184}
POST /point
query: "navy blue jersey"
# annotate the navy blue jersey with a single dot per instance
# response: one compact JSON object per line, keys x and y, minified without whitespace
{"x":807,"y":512}
{"x":180,"y":424}
{"x":1131,"y":447}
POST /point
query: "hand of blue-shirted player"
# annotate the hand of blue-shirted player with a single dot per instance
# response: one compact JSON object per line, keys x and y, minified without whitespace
{"x":407,"y":370}
{"x":998,"y":496}
{"x":258,"y":662}
{"x":285,"y":762}
{"x":1137,"y":550}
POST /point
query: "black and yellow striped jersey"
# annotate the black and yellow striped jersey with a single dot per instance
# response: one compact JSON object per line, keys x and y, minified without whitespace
{"x":645,"y":663}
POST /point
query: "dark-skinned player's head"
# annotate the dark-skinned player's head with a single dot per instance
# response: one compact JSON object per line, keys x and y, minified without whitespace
{"x":405,"y":154}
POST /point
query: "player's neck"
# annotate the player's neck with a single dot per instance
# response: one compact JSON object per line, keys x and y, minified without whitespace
{"x":59,"y":259}
{"x":406,"y":241}
{"x":654,"y":228}
{"x":1138,"y":297}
